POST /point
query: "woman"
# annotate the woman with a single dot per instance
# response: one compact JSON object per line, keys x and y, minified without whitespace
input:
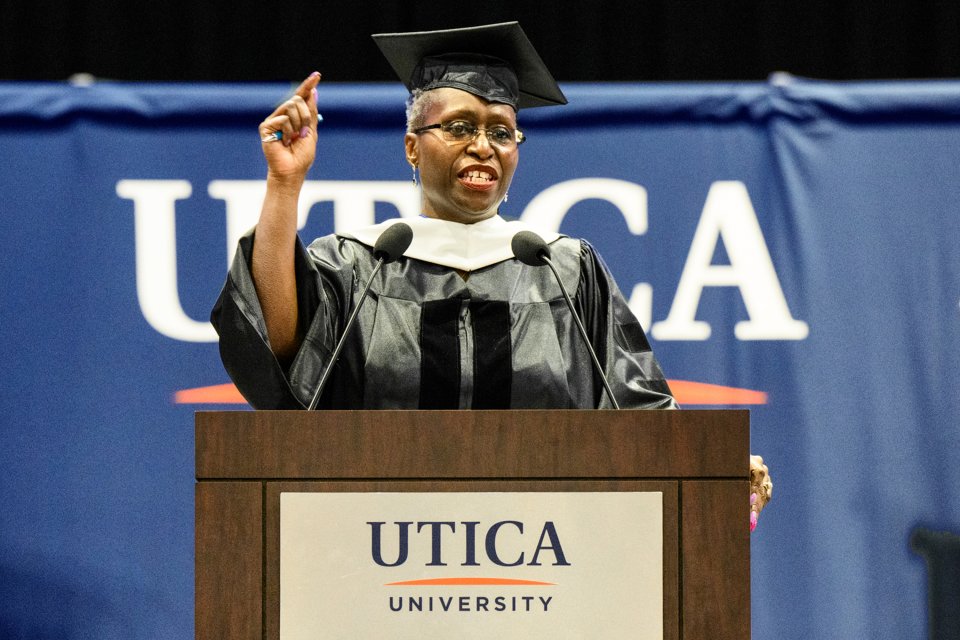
{"x":458,"y":322}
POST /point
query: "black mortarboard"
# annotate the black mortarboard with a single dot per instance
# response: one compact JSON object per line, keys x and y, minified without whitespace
{"x":494,"y":61}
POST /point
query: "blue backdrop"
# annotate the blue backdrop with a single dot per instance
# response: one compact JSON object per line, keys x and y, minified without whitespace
{"x":793,"y":244}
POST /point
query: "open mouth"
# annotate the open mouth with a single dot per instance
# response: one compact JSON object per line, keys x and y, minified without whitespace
{"x":477,"y":178}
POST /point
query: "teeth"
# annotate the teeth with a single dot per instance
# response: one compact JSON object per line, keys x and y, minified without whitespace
{"x":478,"y":176}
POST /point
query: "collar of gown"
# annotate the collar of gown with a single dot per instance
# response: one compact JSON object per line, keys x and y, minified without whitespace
{"x":459,"y":246}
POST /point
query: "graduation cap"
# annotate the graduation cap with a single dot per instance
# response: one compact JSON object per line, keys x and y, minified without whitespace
{"x":496,"y":62}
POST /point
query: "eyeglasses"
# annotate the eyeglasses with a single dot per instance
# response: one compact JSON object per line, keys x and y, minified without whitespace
{"x":461,"y":131}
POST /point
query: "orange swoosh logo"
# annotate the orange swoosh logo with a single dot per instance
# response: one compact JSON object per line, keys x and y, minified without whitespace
{"x":687,"y":393}
{"x":692,"y":393}
{"x":217,"y":394}
{"x":460,"y":582}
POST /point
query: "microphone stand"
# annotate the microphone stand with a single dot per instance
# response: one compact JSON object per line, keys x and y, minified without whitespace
{"x":389,"y":247}
{"x":346,"y":332}
{"x":583,"y":332}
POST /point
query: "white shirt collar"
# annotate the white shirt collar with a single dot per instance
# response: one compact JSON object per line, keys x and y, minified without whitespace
{"x":459,"y":246}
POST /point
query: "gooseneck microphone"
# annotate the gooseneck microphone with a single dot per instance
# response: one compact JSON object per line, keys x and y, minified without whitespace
{"x":389,"y":247}
{"x":530,"y":249}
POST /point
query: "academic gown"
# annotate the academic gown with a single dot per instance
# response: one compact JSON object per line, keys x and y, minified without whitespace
{"x":426,"y":338}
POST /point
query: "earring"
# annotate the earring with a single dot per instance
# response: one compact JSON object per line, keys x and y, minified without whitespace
{"x":506,"y":196}
{"x":414,"y":174}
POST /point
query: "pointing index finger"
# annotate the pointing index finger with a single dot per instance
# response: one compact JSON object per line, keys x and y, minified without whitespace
{"x":308,"y":91}
{"x":308,"y":85}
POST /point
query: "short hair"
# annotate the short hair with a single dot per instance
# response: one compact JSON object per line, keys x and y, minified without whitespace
{"x":418,"y":104}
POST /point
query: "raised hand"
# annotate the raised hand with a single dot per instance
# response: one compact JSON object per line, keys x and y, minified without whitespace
{"x":289,"y":134}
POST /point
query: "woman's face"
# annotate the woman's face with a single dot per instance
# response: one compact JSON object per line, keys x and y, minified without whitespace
{"x":462,"y":182}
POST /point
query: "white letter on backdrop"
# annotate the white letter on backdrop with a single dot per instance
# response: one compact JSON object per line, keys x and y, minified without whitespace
{"x":728,"y":213}
{"x":549,"y":207}
{"x":154,"y":210}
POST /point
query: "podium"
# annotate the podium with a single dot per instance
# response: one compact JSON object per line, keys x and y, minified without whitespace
{"x":698,"y":459}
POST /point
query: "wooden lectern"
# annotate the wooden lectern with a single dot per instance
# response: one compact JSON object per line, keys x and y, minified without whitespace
{"x":697,"y":459}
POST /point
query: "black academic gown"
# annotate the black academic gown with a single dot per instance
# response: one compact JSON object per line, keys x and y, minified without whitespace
{"x":428,"y":339}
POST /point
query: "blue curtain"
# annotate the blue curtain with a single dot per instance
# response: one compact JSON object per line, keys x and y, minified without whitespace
{"x":796,"y":240}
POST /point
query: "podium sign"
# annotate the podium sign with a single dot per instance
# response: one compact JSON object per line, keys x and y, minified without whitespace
{"x":692,"y":463}
{"x":474,"y":565}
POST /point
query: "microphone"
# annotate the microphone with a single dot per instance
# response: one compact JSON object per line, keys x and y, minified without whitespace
{"x":393,"y":242}
{"x":389,"y":248}
{"x":530,"y":249}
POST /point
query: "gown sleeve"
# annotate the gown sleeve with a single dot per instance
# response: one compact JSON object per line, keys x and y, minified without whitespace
{"x":245,"y":349}
{"x":621,"y":344}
